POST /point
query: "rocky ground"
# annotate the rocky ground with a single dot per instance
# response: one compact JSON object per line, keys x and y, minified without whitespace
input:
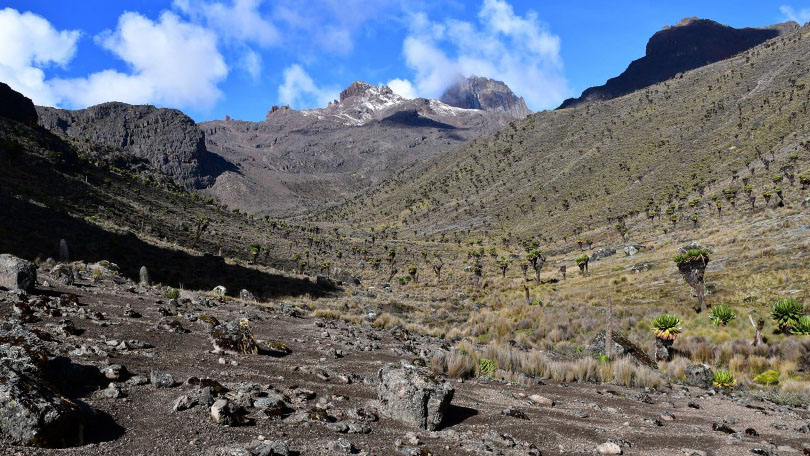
{"x":147,"y":367}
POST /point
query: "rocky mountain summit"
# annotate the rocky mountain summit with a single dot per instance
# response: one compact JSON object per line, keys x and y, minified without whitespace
{"x":299,"y":160}
{"x":477,"y":92}
{"x":687,"y":45}
{"x":16,"y":106}
{"x":167,"y":139}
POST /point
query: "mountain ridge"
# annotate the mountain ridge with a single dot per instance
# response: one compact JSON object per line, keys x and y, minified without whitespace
{"x":689,"y":44}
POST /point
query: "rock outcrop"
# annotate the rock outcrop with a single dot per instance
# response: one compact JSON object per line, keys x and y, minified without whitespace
{"x":32,"y":413}
{"x":413,"y":395}
{"x":167,"y":139}
{"x":16,"y":106}
{"x":476,"y":92}
{"x":16,"y":273}
{"x":690,"y":44}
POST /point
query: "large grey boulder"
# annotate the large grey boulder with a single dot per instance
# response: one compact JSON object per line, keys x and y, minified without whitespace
{"x":16,"y":273}
{"x":601,"y":254}
{"x":632,"y":249}
{"x":699,"y":375}
{"x":413,"y":395}
{"x":32,"y":413}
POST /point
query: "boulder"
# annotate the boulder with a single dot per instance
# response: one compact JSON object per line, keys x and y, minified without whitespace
{"x":699,"y":375}
{"x":413,"y":395}
{"x":16,"y":273}
{"x":601,"y":254}
{"x":621,"y":346}
{"x":219,"y":290}
{"x":643,"y":266}
{"x":632,"y":249}
{"x":245,"y":295}
{"x":32,"y":413}
{"x":234,"y":337}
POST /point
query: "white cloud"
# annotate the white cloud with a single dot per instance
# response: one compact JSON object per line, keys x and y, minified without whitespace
{"x":251,"y":62}
{"x":240,"y":21}
{"x":300,"y":91}
{"x":171,"y":63}
{"x":29,"y":44}
{"x":519,"y":50}
{"x":802,"y":16}
{"x":403,"y":88}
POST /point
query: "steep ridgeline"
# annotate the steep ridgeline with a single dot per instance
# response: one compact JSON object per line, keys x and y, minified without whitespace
{"x":16,"y":106}
{"x":690,"y":44}
{"x":476,"y":92}
{"x":119,"y":133}
{"x":298,"y":161}
{"x":723,"y":133}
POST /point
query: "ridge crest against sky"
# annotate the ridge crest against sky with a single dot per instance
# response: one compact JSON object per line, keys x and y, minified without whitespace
{"x":210,"y":58}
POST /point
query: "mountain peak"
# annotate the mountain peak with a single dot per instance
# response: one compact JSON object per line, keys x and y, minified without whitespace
{"x":360,"y":88}
{"x":476,"y":92}
{"x":691,"y":43}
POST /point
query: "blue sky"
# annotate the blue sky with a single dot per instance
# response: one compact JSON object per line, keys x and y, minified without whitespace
{"x":210,"y":58}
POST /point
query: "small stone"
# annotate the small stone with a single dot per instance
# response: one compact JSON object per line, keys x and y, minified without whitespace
{"x":691,"y":452}
{"x":137,"y":380}
{"x":161,"y":379}
{"x":609,"y":448}
{"x":340,"y":446}
{"x":514,"y":413}
{"x":221,"y":412}
{"x":115,"y":372}
{"x":541,"y":400}
{"x":183,"y":402}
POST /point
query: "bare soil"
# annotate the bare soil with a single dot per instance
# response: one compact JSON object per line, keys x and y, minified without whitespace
{"x":584,"y":415}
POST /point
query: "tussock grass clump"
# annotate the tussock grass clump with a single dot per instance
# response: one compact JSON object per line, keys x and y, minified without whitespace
{"x":506,"y":362}
{"x":388,"y":321}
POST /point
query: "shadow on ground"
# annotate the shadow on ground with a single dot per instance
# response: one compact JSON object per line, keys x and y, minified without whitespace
{"x":30,"y":231}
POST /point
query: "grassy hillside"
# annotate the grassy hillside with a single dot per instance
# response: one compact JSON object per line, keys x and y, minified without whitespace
{"x":671,"y":150}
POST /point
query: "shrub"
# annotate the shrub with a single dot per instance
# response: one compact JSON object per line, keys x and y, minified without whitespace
{"x":802,"y":326}
{"x":537,"y":302}
{"x":723,"y":379}
{"x":581,"y":259}
{"x":666,"y":326}
{"x":693,"y":255}
{"x":722,"y":314}
{"x":172,"y":293}
{"x":769,"y":377}
{"x":487,"y":367}
{"x":786,"y":313}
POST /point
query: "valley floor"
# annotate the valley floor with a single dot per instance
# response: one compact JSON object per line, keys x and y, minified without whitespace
{"x":333,"y":366}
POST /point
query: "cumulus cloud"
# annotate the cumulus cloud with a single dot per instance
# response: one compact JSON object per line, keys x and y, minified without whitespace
{"x":171,"y":62}
{"x":29,"y":44}
{"x":403,"y":88}
{"x":519,"y":50}
{"x":240,"y":20}
{"x":801,"y":16}
{"x":299,"y":90}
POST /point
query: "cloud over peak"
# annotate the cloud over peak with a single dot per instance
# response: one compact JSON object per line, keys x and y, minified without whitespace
{"x":519,"y":50}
